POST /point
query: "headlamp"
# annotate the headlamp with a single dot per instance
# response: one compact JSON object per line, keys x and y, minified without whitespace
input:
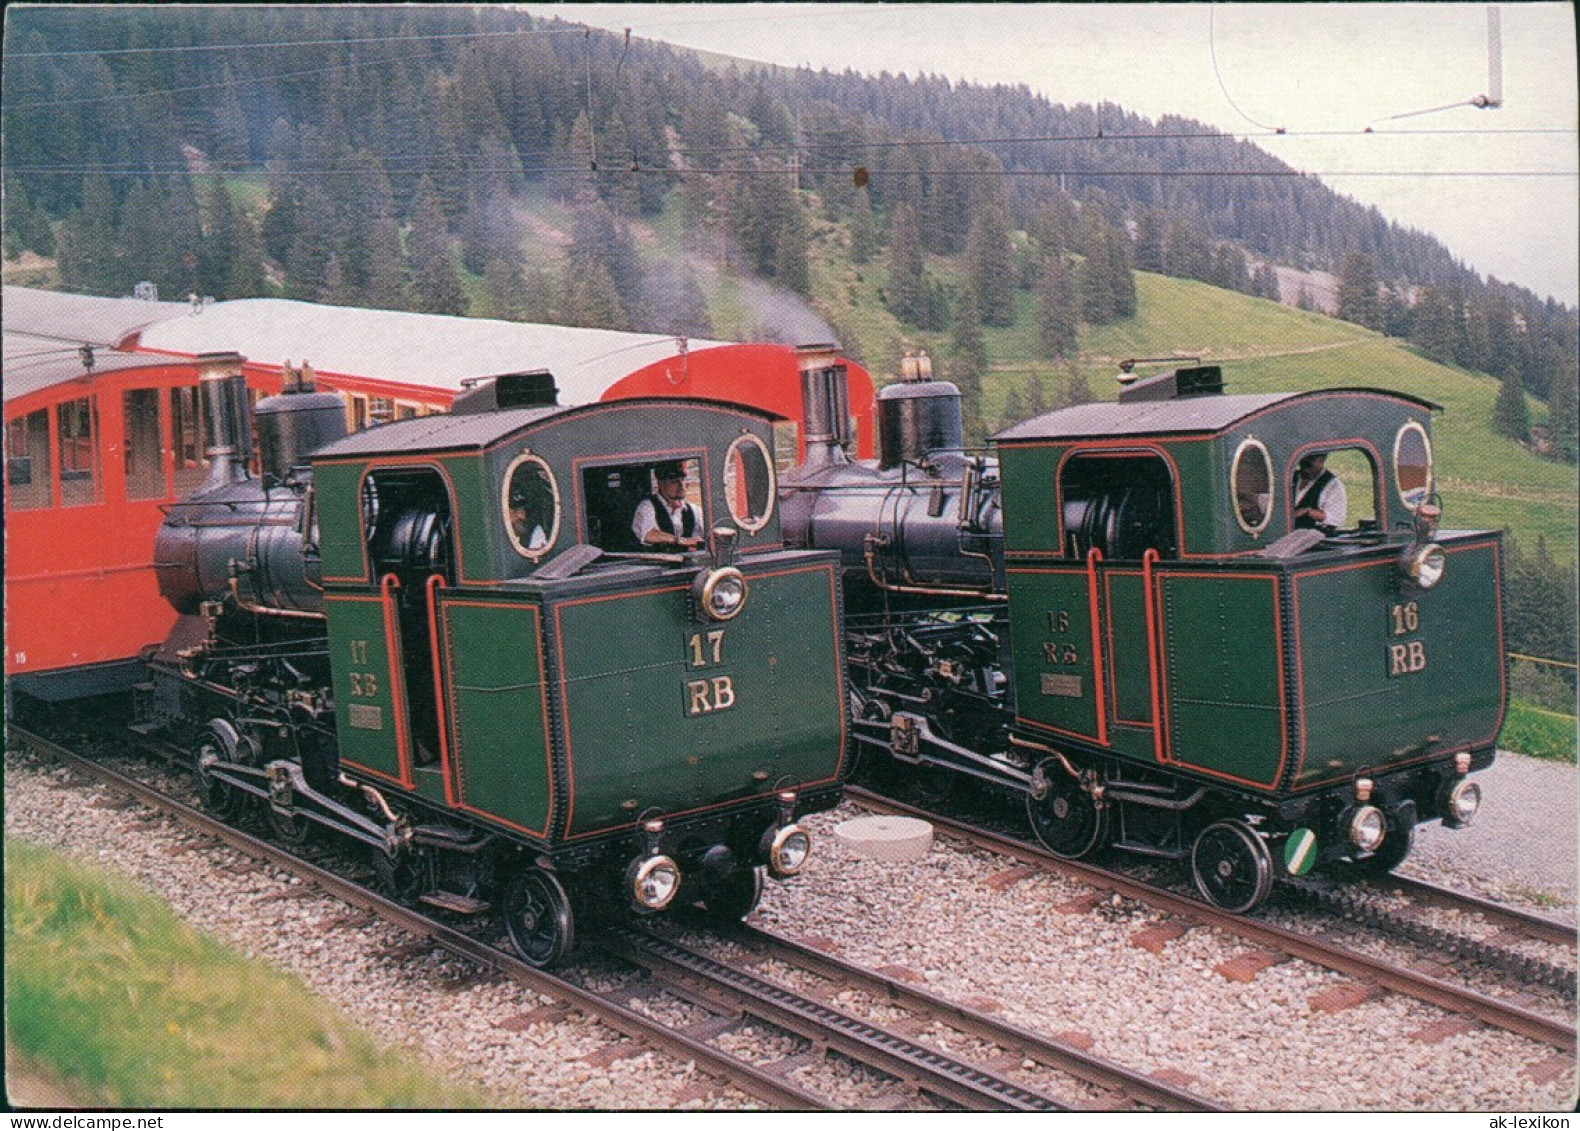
{"x":1423,"y":564}
{"x":721,"y":593}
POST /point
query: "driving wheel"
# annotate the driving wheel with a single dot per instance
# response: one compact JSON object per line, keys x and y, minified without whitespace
{"x":221,"y":742}
{"x":537,"y":915}
{"x":1232,"y":866}
{"x":1066,"y":820}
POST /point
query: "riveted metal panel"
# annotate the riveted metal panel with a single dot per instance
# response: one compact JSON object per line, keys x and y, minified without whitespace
{"x":1051,"y":634}
{"x":1223,"y":676}
{"x":1125,"y":638}
{"x":1388,"y":673}
{"x":669,"y":714}
{"x":500,"y":749}
{"x":370,"y":702}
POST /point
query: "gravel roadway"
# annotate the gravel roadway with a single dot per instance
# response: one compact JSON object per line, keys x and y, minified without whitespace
{"x":960,"y":921}
{"x":1522,"y":847}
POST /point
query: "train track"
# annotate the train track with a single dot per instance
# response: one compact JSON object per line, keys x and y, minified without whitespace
{"x":922,"y":1064}
{"x":1364,"y":968}
{"x":916,"y":1069}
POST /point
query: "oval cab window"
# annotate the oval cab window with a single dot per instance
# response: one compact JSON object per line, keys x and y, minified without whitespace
{"x":1412,"y":465}
{"x":531,"y":503}
{"x":749,"y":483}
{"x":1252,"y":482}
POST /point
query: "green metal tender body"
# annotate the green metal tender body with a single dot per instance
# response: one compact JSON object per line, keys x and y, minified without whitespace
{"x":504,"y":653}
{"x":1169,"y":623}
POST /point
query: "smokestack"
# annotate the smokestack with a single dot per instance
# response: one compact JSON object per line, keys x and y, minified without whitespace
{"x":222,"y":390}
{"x":825,"y":404}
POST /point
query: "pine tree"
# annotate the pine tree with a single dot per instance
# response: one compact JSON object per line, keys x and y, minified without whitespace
{"x":1036,"y":400}
{"x":1058,"y":315}
{"x":506,"y":290}
{"x":1561,"y":418}
{"x":906,"y":293}
{"x":1358,"y":291}
{"x":863,"y":229}
{"x":436,"y":288}
{"x":1096,"y":278}
{"x":1509,"y":414}
{"x":1014,"y":412}
{"x":589,"y":297}
{"x":25,"y":224}
{"x":1149,"y":241}
{"x":1436,"y":329}
{"x":966,"y":338}
{"x":990,"y":273}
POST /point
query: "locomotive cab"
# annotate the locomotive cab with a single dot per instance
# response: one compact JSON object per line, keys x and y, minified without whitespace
{"x":596,"y":721}
{"x":1203,"y":671}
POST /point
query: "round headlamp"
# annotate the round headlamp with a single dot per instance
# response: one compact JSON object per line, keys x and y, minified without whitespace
{"x":788,"y":851}
{"x":1461,"y":801}
{"x":721,"y":593}
{"x":653,"y":882}
{"x":1366,"y":827}
{"x":1424,"y":564}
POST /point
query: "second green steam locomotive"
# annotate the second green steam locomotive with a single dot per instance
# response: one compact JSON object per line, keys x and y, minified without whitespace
{"x":1138,"y":618}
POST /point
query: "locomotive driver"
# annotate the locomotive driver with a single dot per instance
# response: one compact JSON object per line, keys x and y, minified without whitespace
{"x":1320,"y":500}
{"x":666,"y":519}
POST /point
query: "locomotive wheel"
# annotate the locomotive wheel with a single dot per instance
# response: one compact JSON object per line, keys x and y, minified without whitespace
{"x":538,"y":918}
{"x":402,"y":877}
{"x":735,"y":898}
{"x":1067,"y":821}
{"x":1232,"y":866}
{"x":293,"y":829}
{"x":221,"y":740}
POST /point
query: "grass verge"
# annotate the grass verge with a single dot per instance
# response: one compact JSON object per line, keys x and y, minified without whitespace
{"x":128,"y":1005}
{"x":1538,"y":733}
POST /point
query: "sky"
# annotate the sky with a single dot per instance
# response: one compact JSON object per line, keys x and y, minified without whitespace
{"x":1500,"y":187}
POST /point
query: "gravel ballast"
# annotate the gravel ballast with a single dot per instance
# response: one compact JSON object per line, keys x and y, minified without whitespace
{"x":948,"y":920}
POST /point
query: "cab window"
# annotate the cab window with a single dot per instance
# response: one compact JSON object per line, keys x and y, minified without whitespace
{"x":1251,"y":482}
{"x":531,"y":502}
{"x":614,"y":492}
{"x":1354,"y":505}
{"x":749,"y":485}
{"x":1412,"y":465}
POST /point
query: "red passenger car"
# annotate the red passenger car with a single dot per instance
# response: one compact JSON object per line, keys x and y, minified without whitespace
{"x":103,"y":432}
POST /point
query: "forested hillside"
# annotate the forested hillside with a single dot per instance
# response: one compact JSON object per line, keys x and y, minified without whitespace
{"x":476,"y":161}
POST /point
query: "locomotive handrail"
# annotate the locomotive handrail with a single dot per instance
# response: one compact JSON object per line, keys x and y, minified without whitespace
{"x":1093,"y":557}
{"x":1149,"y":559}
{"x":403,"y":743}
{"x":434,"y":583}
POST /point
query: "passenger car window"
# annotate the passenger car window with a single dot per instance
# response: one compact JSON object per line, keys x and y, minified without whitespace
{"x":1251,"y":480}
{"x":145,"y":468}
{"x":27,"y":464}
{"x":749,"y":483}
{"x":190,"y":436}
{"x":1412,"y":465}
{"x":531,"y":504}
{"x":79,"y":454}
